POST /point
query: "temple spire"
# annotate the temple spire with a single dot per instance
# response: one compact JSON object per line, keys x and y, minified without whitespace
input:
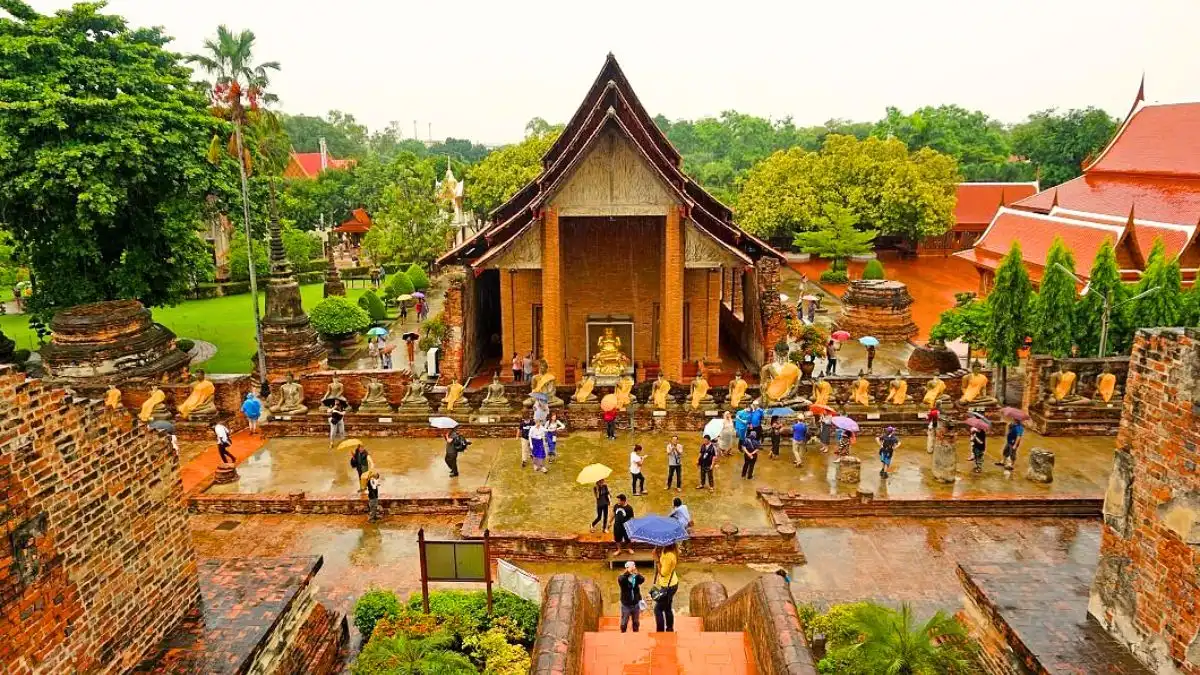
{"x":279,"y":262}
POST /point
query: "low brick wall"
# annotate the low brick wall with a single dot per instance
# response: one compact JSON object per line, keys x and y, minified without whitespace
{"x":765,"y":611}
{"x":865,"y":504}
{"x":570,"y":607}
{"x":321,"y":504}
{"x":316,"y":425}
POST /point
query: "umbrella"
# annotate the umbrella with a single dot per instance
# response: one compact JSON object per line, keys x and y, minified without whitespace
{"x":783,"y":297}
{"x":410,"y":337}
{"x":349,"y":444}
{"x":818,"y":409}
{"x":810,"y":298}
{"x":387,"y":349}
{"x":539,"y":396}
{"x":418,"y":294}
{"x":976,"y":423}
{"x":979,"y":415}
{"x":869,"y":341}
{"x":780,"y":412}
{"x":404,"y":298}
{"x":162,"y":425}
{"x":592,"y":473}
{"x":840,"y":335}
{"x":609,"y":402}
{"x":442,"y":423}
{"x":1015,"y":414}
{"x":656,"y":530}
{"x":378,"y":331}
{"x":713,"y":428}
{"x":845,"y":423}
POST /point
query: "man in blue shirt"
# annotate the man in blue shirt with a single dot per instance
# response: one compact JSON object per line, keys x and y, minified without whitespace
{"x":799,"y":441}
{"x":756,"y":418}
{"x":1016,"y":431}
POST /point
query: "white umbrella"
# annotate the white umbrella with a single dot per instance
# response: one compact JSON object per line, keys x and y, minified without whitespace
{"x":713,"y":428}
{"x":442,"y":423}
{"x":783,"y":297}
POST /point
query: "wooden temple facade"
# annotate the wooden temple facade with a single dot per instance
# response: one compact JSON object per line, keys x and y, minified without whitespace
{"x":612,"y":235}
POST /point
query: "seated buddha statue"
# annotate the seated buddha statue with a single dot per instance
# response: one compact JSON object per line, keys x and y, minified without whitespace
{"x":496,"y":398}
{"x":1106,"y":385}
{"x":609,"y":361}
{"x":779,"y":382}
{"x":584,"y":390}
{"x":112,"y":397}
{"x":545,"y":383}
{"x":199,"y":403}
{"x":288,"y":399}
{"x":860,"y":391}
{"x":624,"y":392}
{"x":897,"y":390}
{"x":821,"y":390}
{"x":154,"y":408}
{"x":1060,"y":387}
{"x":414,"y":397}
{"x":974,"y":388}
{"x":737,"y":391}
{"x":454,"y":396}
{"x":336,"y":391}
{"x":375,"y":399}
{"x":661,"y":392}
{"x":699,"y":394}
{"x":934,"y":390}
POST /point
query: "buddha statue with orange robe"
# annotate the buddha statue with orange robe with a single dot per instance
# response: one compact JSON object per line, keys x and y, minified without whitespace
{"x":112,"y":397}
{"x":737,"y":391}
{"x":860,"y":391}
{"x":898,"y":390}
{"x":822,"y":390}
{"x":974,"y":388}
{"x":624,"y":392}
{"x":934,"y":390}
{"x":154,"y":408}
{"x":660,"y":394}
{"x":454,"y":394}
{"x":779,"y":381}
{"x":700,"y":391}
{"x":199,"y":403}
{"x":1106,"y":385}
{"x":1061,"y":387}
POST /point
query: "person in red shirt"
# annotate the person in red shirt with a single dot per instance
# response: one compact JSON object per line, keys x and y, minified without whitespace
{"x":932,"y":429}
{"x":610,"y":424}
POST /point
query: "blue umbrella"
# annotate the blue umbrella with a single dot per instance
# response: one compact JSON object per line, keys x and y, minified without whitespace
{"x":539,"y":396}
{"x":869,"y":341}
{"x":377,"y":331}
{"x":780,"y":412}
{"x":656,"y":530}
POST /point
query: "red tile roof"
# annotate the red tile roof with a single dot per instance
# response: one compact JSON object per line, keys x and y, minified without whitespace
{"x":1175,"y":237}
{"x":977,"y":202}
{"x":1163,"y":200}
{"x":359,"y":222}
{"x":309,"y":163}
{"x":1036,"y":232}
{"x":1161,"y":140}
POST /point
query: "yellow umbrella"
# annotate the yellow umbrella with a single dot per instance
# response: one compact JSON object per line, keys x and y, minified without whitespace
{"x":609,"y":402}
{"x":592,"y":473}
{"x":349,"y":444}
{"x":404,"y":298}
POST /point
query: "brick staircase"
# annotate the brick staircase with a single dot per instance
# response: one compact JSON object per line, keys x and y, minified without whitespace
{"x":690,"y":649}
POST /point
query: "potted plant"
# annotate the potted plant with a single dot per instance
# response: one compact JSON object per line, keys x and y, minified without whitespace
{"x":338,"y":321}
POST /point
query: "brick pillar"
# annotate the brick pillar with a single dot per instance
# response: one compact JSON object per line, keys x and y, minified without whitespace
{"x":727,"y":285}
{"x":712,"y":347}
{"x":671,"y":353}
{"x":735,"y":288}
{"x":552,"y":300}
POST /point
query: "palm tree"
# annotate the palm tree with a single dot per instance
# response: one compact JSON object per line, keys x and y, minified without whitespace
{"x":402,"y":655}
{"x":229,"y":60}
{"x":893,"y":643}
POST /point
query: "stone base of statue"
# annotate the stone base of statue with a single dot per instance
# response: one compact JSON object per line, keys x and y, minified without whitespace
{"x":373,"y":409}
{"x":287,"y":414}
{"x":204,"y":416}
{"x":1093,"y":418}
{"x":1041,"y":466}
{"x":944,"y":460}
{"x":162,"y":414}
{"x":226,"y":473}
{"x":848,"y":470}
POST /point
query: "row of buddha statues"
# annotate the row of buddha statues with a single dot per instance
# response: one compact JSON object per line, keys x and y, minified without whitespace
{"x":1062,"y":388}
{"x":200,"y":404}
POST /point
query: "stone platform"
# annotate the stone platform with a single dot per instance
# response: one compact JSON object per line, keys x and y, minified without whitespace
{"x":1032,"y":618}
{"x":878,"y":307}
{"x":1092,"y":419}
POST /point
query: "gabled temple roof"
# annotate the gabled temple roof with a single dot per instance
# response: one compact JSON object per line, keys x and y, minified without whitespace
{"x":1156,"y":140}
{"x":610,"y":105}
{"x":359,"y":222}
{"x":976,"y":203}
{"x":308,"y":164}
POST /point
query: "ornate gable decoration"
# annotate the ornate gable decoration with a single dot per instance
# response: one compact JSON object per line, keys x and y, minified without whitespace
{"x":612,"y":180}
{"x":523,"y":252}
{"x":700,"y":251}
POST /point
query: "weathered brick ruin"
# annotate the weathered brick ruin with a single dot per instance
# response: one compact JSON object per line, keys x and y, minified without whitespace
{"x":879,"y":308}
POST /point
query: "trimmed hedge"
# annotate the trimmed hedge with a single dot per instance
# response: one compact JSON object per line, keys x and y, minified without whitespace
{"x":336,"y":315}
{"x":873,"y":270}
{"x":397,"y":285}
{"x":835,"y":277}
{"x":417,"y":276}
{"x":373,"y":306}
{"x":184,"y":344}
{"x":360,"y":271}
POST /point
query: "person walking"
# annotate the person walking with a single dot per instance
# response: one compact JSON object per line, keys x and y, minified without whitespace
{"x":741,"y":423}
{"x":870,"y":357}
{"x":799,"y":441}
{"x":756,"y":419}
{"x":223,"y":443}
{"x":537,"y":446}
{"x":553,"y":426}
{"x":637,"y":479}
{"x":750,"y":447}
{"x":888,"y":443}
{"x":675,"y":463}
{"x":622,"y":513}
{"x":527,"y":367}
{"x":1016,"y":431}
{"x":831,"y":350}
{"x":931,"y":429}
{"x":666,"y":562}
{"x":680,"y":512}
{"x":600,"y":492}
{"x":373,"y":497}
{"x":385,"y":353}
{"x":775,"y":434}
{"x":361,"y":461}
{"x":252,"y":409}
{"x":455,"y":444}
{"x":727,"y":437}
{"x":516,"y":367}
{"x":337,"y":422}
{"x":978,"y":447}
{"x":403,"y":311}
{"x":706,"y":460}
{"x":373,"y":352}
{"x":845,"y":439}
{"x":610,"y":424}
{"x":825,"y":431}
{"x":523,"y":434}
{"x":630,"y":583}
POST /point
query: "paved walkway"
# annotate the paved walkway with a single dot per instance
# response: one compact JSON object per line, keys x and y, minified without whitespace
{"x":204,"y":463}
{"x":688,"y":650}
{"x":436,"y":295}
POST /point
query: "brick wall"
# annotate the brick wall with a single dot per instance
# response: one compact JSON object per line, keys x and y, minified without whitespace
{"x":570,"y":607}
{"x":702,"y":290}
{"x":452,"y":364}
{"x":1147,"y":586}
{"x":98,"y":562}
{"x":520,"y":290}
{"x":764,"y":609}
{"x":864,"y":504}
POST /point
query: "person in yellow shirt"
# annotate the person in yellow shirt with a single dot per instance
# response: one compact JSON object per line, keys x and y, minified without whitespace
{"x":666,"y":577}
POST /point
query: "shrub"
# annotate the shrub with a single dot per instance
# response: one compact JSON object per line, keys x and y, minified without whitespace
{"x":417,"y":276}
{"x":873,"y":270}
{"x":401,"y":655}
{"x":184,"y":345}
{"x":373,"y":306}
{"x":372,"y":606}
{"x":397,"y":285}
{"x":834,"y":277}
{"x":336,"y":315}
{"x":834,"y":624}
{"x":434,"y":330}
{"x":21,"y":356}
{"x":498,"y":656}
{"x":409,"y":623}
{"x":464,"y":613}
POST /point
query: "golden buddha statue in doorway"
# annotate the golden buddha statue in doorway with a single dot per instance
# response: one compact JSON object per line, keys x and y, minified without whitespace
{"x":609,"y":361}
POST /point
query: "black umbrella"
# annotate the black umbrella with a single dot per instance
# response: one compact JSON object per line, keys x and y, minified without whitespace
{"x":162,"y":425}
{"x":411,"y":337}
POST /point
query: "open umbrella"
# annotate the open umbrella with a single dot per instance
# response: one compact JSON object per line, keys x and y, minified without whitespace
{"x":976,"y":423}
{"x":869,"y":341}
{"x":713,"y":428}
{"x":539,"y":396}
{"x":442,"y":423}
{"x":378,"y":330}
{"x":1015,"y":414}
{"x":349,"y":444}
{"x":979,"y":415}
{"x":840,"y":335}
{"x":418,"y":294}
{"x":783,"y":297}
{"x":845,"y":423}
{"x":609,"y":402}
{"x":592,"y":473}
{"x":404,"y":298}
{"x":656,"y":530}
{"x":162,"y":425}
{"x":818,"y":409}
{"x":410,"y":337}
{"x":780,"y":412}
{"x":811,"y":298}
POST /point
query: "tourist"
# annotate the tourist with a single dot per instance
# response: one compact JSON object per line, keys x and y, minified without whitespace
{"x":600,"y":492}
{"x":870,"y":357}
{"x":931,"y":429}
{"x":750,"y":447}
{"x":630,"y":583}
{"x":553,"y":426}
{"x":373,"y":351}
{"x":337,"y":421}
{"x":610,"y":424}
{"x":361,"y":462}
{"x":622,"y":513}
{"x":799,"y":441}
{"x":728,"y":436}
{"x":681,"y":513}
{"x":831,"y":350}
{"x":527,"y":367}
{"x":1016,"y":431}
{"x":888,"y":443}
{"x":756,"y":419}
{"x":403,"y":311}
{"x":775,"y":434}
{"x":635,"y":471}
{"x":252,"y":409}
{"x":537,"y":445}
{"x":741,"y":423}
{"x":845,"y":439}
{"x":706,"y":460}
{"x":523,"y":434}
{"x":675,"y":463}
{"x":666,"y":560}
{"x":420,"y":309}
{"x":223,"y":443}
{"x":373,"y":497}
{"x":825,"y":431}
{"x":812,"y":312}
{"x":385,"y":353}
{"x":541,"y":411}
{"x":978,"y":447}
{"x":516,"y":367}
{"x":410,"y":343}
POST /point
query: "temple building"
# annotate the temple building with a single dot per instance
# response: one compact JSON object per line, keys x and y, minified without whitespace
{"x":613,"y":239}
{"x":975,"y":206}
{"x":309,"y":165}
{"x":352,"y":231}
{"x":1145,"y":185}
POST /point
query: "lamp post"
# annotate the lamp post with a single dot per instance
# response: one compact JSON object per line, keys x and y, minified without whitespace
{"x":1106,"y":313}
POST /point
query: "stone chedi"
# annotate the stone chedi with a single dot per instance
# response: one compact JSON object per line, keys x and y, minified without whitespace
{"x":882,"y":308}
{"x":113,"y":342}
{"x":333,"y":278}
{"x":290,"y":343}
{"x":496,"y":399}
{"x":609,"y":360}
{"x":199,"y":404}
{"x":288,"y":399}
{"x":374,"y":401}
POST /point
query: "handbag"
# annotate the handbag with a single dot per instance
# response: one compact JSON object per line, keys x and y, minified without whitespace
{"x":655,"y":589}
{"x":641,"y":605}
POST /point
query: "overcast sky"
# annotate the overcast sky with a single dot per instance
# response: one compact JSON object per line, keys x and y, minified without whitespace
{"x":480,"y":70}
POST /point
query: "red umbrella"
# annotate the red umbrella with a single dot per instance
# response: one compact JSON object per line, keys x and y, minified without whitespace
{"x":976,"y":423}
{"x":818,"y":409}
{"x":1015,"y":414}
{"x":840,"y":335}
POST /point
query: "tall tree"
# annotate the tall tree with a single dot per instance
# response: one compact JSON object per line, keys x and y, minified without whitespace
{"x":499,"y":175}
{"x":102,"y":157}
{"x":1058,"y":143}
{"x":1104,"y":282}
{"x":1163,"y":306}
{"x":1010,"y":306}
{"x":836,"y":237}
{"x":1054,"y":305}
{"x":344,"y":136}
{"x":410,"y":227}
{"x":979,"y":144}
{"x":969,"y":321}
{"x":1190,"y":308}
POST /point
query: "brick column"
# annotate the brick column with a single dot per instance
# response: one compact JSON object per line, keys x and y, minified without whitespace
{"x":712,"y":349}
{"x":671,"y":353}
{"x":727,"y":285}
{"x":552,"y":300}
{"x":736,"y":284}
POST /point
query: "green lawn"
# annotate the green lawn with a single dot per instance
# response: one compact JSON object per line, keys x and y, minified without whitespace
{"x":227,"y":322}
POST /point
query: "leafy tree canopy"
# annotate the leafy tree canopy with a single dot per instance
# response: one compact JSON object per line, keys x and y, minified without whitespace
{"x":836,"y":237}
{"x":968,"y":321}
{"x":1054,"y":307}
{"x":1058,"y":143}
{"x":410,"y":225}
{"x":1164,"y":306}
{"x":980,"y":144}
{"x":1104,"y":281}
{"x":102,"y":157}
{"x":498,"y":176}
{"x":344,"y":136}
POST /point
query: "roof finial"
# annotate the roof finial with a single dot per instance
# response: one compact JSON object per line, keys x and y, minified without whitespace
{"x":1141,"y":96}
{"x":1054,"y":202}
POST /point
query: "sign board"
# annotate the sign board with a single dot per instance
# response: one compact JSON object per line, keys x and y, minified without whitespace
{"x":454,"y":561}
